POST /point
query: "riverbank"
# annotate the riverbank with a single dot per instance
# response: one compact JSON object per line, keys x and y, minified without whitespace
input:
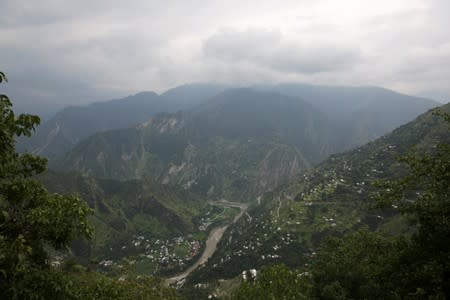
{"x":214,"y":237}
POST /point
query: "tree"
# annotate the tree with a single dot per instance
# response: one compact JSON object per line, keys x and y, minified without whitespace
{"x":31,"y":219}
{"x":358,"y":266}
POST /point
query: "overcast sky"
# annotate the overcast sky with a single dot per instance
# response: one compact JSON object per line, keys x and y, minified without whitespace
{"x":79,"y":51}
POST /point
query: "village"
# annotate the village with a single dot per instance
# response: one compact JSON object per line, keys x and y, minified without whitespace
{"x":148,"y":256}
{"x":151,"y":255}
{"x":299,"y":217}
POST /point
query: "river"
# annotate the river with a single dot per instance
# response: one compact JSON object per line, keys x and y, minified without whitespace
{"x":214,"y":237}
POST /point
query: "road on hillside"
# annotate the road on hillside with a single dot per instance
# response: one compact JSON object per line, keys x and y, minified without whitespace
{"x":213,"y":239}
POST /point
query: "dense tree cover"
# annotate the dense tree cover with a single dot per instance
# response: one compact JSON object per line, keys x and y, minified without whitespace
{"x":358,"y":266}
{"x":276,"y":282}
{"x":370,"y":265}
{"x":94,"y":286}
{"x":34,"y":221}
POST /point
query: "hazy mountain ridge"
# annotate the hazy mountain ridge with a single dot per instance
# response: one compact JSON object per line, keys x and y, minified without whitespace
{"x":227,"y":146}
{"x":189,"y":95}
{"x":246,"y":112}
{"x":240,"y":142}
{"x":59,"y":134}
{"x":361,"y":113}
{"x":334,"y":198}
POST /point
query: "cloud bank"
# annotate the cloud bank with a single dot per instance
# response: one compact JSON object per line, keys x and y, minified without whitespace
{"x":74,"y":52}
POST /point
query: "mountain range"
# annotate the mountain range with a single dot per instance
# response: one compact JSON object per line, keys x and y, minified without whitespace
{"x":363,"y":113}
{"x":234,"y":145}
{"x":66,"y":128}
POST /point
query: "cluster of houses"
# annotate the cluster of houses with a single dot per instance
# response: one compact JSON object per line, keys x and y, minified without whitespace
{"x":262,"y":229}
{"x":57,"y":260}
{"x":209,"y":218}
{"x":162,"y":253}
{"x":205,"y":222}
{"x":250,"y":274}
{"x":159,"y":251}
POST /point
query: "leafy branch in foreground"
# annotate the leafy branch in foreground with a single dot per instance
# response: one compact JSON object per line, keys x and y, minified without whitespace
{"x":31,"y":218}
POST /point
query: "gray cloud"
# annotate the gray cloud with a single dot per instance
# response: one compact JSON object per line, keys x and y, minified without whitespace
{"x":272,"y":50}
{"x":72,"y":52}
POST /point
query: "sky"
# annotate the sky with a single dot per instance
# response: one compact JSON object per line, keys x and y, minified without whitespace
{"x":59,"y":53}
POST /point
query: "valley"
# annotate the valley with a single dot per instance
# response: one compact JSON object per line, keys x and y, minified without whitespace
{"x":225,"y":150}
{"x":143,"y":243}
{"x":291,"y":169}
{"x":336,"y":198}
{"x":213,"y":239}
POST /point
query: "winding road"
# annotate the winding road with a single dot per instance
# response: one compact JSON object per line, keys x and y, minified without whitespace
{"x":213,"y":239}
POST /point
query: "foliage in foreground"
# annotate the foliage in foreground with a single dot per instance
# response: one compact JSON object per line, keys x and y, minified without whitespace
{"x":31,"y":218}
{"x":94,"y":286}
{"x":52,"y":284}
{"x":276,"y":282}
{"x":33,"y":221}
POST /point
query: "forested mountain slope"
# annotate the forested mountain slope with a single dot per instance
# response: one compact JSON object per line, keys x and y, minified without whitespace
{"x":236,"y":145}
{"x":334,"y":198}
